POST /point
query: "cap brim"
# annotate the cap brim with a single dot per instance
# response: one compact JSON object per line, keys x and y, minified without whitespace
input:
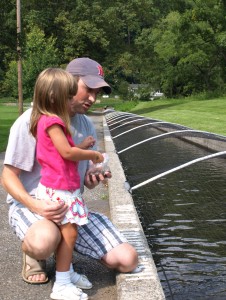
{"x":95,"y":82}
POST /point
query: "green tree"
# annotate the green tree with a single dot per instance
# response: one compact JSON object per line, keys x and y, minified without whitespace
{"x":186,"y":49}
{"x":39,"y":53}
{"x":177,"y":46}
{"x":7,"y":36}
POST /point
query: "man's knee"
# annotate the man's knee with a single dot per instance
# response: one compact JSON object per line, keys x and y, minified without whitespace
{"x":123,"y":258}
{"x":129,"y":260}
{"x":41,"y":239}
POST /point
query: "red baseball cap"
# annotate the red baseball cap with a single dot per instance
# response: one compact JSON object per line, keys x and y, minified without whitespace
{"x":90,"y":71}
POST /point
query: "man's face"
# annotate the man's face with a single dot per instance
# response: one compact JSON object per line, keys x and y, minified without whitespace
{"x":84,"y":99}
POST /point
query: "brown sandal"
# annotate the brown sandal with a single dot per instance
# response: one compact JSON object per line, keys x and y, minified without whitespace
{"x":36,"y":267}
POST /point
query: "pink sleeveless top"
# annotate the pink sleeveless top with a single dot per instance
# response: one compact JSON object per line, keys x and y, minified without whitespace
{"x":56,"y":172}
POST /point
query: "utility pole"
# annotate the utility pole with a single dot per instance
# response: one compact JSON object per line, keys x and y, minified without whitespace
{"x":19,"y":62}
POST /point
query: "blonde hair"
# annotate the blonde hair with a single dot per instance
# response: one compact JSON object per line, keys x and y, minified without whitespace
{"x":53,"y":88}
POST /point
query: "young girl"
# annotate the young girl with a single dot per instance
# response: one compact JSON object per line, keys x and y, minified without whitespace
{"x":58,"y":157}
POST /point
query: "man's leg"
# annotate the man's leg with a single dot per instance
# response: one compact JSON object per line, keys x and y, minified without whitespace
{"x":122,"y":258}
{"x":101,"y":240}
{"x":40,"y":241}
{"x":39,"y":238}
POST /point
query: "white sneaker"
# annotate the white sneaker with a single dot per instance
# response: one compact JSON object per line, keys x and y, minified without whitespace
{"x":67,"y":292}
{"x":81,"y":281}
{"x":138,"y":269}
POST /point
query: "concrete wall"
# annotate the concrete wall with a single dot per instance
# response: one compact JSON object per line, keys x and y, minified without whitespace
{"x":134,"y":286}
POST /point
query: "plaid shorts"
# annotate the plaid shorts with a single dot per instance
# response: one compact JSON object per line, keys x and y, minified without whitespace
{"x":95,"y":239}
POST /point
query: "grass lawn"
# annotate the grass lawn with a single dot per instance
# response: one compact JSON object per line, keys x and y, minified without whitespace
{"x":206,"y":115}
{"x":8,"y":114}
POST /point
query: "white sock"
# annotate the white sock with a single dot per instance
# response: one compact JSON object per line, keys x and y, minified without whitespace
{"x":62,"y":278}
{"x":71,"y":269}
{"x":73,"y":275}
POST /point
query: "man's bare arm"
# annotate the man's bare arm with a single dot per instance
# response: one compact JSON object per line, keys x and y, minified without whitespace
{"x":11,"y":182}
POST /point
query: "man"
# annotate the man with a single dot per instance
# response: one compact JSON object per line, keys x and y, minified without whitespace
{"x":35,"y":222}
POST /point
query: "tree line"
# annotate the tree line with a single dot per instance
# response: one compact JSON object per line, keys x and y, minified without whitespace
{"x":176,"y":46}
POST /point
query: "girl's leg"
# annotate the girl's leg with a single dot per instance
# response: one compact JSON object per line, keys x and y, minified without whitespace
{"x":65,"y":249}
{"x":63,"y":287}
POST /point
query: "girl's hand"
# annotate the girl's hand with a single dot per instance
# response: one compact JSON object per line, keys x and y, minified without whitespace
{"x":97,"y":157}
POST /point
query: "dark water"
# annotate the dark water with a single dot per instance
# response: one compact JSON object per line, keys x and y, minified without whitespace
{"x":184,"y":219}
{"x":183,"y":214}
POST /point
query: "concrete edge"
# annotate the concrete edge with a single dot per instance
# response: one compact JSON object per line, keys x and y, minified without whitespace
{"x":135,"y":286}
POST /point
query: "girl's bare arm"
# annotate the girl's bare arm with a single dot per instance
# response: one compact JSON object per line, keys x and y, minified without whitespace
{"x":67,"y":151}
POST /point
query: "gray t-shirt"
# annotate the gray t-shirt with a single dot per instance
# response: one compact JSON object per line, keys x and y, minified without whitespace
{"x":20,"y":151}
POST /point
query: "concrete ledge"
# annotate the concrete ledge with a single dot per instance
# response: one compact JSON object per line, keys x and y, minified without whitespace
{"x":146,"y":284}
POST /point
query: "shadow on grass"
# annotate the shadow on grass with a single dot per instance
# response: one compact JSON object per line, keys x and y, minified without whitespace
{"x":153,"y":108}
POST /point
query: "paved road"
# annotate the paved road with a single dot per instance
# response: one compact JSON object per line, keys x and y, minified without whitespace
{"x":12,"y":286}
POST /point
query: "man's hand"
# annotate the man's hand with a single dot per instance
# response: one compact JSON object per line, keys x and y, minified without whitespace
{"x":53,"y":211}
{"x":92,"y":180}
{"x":87,"y":143}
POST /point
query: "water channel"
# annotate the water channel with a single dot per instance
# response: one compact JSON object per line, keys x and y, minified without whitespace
{"x":183,"y":207}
